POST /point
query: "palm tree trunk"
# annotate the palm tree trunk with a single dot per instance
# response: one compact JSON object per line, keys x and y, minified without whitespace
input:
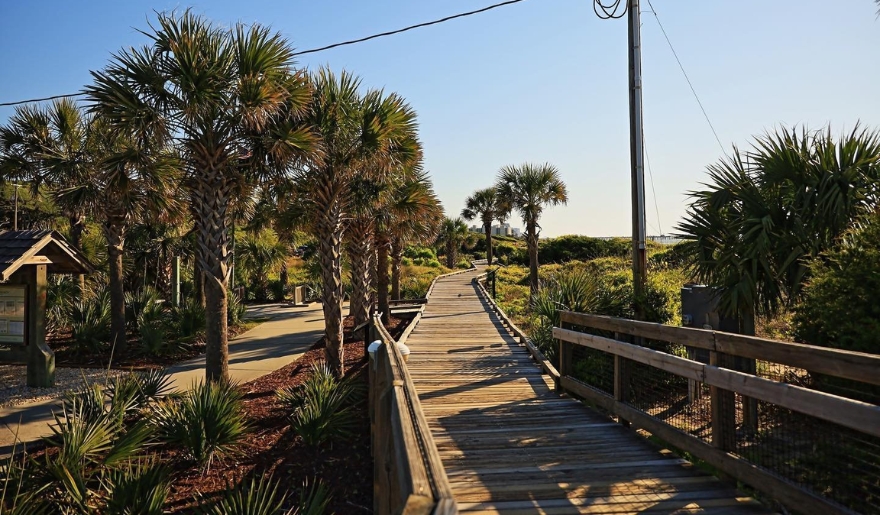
{"x":360,"y":248}
{"x":76,"y":231}
{"x":114,"y":232}
{"x":450,"y":254}
{"x":330,"y":231}
{"x":532,"y":241}
{"x":283,"y":278}
{"x":212,"y":200}
{"x":487,"y":228}
{"x":396,"y":258}
{"x":383,"y":246}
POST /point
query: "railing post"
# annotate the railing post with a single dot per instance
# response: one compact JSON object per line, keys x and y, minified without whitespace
{"x":723,"y":408}
{"x":565,"y":362}
{"x":621,"y":380}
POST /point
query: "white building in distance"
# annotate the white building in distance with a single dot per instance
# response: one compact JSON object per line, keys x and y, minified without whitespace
{"x":500,"y":230}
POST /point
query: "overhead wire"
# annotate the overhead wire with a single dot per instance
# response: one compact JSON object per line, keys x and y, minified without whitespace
{"x":686,"y":77}
{"x":327,"y":47}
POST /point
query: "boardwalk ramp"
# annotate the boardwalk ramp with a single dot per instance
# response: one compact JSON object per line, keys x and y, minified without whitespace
{"x":510,"y":444}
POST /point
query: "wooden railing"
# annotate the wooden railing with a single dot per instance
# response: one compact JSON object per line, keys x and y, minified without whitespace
{"x":813,"y":451}
{"x":408,"y":477}
{"x":542,"y":361}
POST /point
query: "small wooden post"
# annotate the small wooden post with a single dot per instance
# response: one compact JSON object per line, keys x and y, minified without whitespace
{"x":621,"y":380}
{"x":723,"y":409}
{"x":565,"y":361}
{"x":40,"y":358}
{"x":175,"y":282}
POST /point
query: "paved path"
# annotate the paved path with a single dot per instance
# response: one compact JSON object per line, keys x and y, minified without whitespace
{"x":510,"y":444}
{"x":289,"y":332}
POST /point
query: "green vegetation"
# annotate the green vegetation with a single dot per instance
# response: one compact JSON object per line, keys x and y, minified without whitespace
{"x":320,"y":408}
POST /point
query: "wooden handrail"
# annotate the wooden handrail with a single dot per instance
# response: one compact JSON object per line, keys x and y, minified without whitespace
{"x":545,"y":364}
{"x":722,"y":452}
{"x":857,"y":366}
{"x":409,"y":476}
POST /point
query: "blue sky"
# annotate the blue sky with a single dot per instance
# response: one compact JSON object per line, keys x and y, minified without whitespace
{"x":542,"y":80}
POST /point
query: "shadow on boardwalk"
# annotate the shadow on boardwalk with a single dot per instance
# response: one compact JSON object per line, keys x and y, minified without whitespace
{"x":510,"y":444}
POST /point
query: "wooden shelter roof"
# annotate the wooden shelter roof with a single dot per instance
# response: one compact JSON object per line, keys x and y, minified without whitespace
{"x":19,"y":248}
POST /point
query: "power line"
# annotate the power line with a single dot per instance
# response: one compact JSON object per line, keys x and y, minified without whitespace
{"x":320,"y":49}
{"x":411,"y":27}
{"x":653,"y":190}
{"x":697,"y":97}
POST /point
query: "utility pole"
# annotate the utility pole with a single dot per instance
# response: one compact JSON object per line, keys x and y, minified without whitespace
{"x":637,"y":157}
{"x":15,"y":211}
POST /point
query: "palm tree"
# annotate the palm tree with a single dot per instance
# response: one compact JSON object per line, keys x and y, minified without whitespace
{"x":410,"y":209}
{"x":420,"y":226}
{"x":361,"y":134}
{"x":485,"y":205}
{"x":47,"y":146}
{"x":260,"y":254}
{"x":131,"y":181}
{"x":453,"y":234}
{"x":528,"y":188}
{"x":231,"y":101}
{"x":766,"y":213}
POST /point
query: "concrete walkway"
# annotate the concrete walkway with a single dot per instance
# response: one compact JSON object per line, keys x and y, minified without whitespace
{"x":289,"y":332}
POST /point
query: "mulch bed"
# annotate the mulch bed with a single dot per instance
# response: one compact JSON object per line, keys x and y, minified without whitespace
{"x":271,"y":447}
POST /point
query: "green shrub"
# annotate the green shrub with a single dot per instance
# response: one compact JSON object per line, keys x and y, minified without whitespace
{"x":90,"y":323}
{"x":207,"y":422}
{"x":416,"y":252}
{"x":254,"y":497}
{"x":839,"y":307}
{"x":320,"y":408}
{"x":143,"y":307}
{"x":235,"y":310}
{"x":138,"y":488}
{"x":583,"y":248}
{"x":60,"y":299}
{"x":313,"y":499}
{"x":189,"y":319}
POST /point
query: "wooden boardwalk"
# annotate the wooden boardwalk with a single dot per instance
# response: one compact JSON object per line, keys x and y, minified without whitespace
{"x":510,"y":444}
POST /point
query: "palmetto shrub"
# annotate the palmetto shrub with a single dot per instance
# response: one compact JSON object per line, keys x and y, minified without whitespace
{"x":143,"y":307}
{"x":207,"y":422}
{"x":90,"y":323}
{"x":235,"y":310}
{"x":140,"y":487}
{"x":259,"y":495}
{"x":320,"y":408}
{"x":189,"y":319}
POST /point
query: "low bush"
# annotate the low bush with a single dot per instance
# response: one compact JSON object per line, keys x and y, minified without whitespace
{"x":235,"y":310}
{"x":582,"y":248}
{"x":189,"y":319}
{"x":90,"y":323}
{"x":207,"y":422}
{"x":320,"y":408}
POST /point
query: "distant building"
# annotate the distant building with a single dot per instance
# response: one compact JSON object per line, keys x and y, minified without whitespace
{"x":500,"y":230}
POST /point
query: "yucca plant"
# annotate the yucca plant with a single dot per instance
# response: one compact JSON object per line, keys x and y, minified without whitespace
{"x":313,"y":499}
{"x":236,"y":310}
{"x":257,"y":496}
{"x":320,"y":408}
{"x":207,"y":422}
{"x":140,"y":487}
{"x":143,"y":307}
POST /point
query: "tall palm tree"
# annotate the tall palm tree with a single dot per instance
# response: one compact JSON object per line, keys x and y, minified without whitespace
{"x":48,"y":147}
{"x":360,"y":134}
{"x":766,"y":213}
{"x":420,"y":226}
{"x":453,"y":234}
{"x":486,"y":205}
{"x":231,"y":101}
{"x":411,"y":207}
{"x":528,"y":188}
{"x":129,"y":181}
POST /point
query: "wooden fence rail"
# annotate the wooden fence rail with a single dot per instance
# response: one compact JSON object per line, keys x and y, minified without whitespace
{"x":408,"y":474}
{"x":861,"y":417}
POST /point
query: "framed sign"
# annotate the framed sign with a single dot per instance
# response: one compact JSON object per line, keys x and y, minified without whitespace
{"x":12,"y":314}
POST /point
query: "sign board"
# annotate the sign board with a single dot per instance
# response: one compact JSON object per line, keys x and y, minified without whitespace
{"x":12,"y":314}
